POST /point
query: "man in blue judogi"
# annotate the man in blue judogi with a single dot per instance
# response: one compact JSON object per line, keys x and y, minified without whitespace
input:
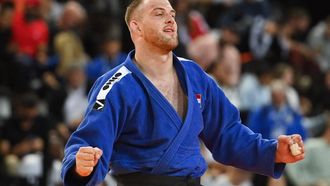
{"x":146,"y":117}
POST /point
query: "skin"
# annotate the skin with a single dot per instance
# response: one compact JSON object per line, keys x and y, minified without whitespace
{"x":86,"y":159}
{"x":283,"y":153}
{"x":154,"y":33}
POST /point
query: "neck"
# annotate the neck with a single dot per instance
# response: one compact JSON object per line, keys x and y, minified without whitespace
{"x":154,"y":63}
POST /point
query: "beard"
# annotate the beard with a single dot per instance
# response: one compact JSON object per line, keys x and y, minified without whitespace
{"x":162,"y":40}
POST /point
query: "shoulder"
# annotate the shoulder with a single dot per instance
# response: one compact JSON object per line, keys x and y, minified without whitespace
{"x":114,"y":87}
{"x":111,"y":81}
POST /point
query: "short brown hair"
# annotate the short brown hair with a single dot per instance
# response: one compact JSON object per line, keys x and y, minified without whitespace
{"x":130,"y":9}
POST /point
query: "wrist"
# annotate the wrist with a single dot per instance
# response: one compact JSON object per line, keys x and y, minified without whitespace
{"x":277,"y":155}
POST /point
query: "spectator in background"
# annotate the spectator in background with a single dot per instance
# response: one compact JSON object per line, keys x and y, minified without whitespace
{"x":235,"y":177}
{"x":24,"y":134}
{"x":28,"y":46}
{"x":204,"y":49}
{"x":73,"y":17}
{"x":229,"y":35}
{"x":243,"y":13}
{"x":293,"y":33}
{"x":264,"y":41}
{"x":66,"y":45}
{"x":51,"y":11}
{"x":69,"y":50}
{"x":30,"y":31}
{"x":68,"y":101}
{"x":63,"y":16}
{"x":319,"y":40}
{"x":103,"y":17}
{"x":76,"y":101}
{"x":275,"y":119}
{"x":226,"y":71}
{"x":214,"y":169}
{"x":232,"y":177}
{"x":295,"y":24}
{"x":286,"y":73}
{"x":278,"y":118}
{"x":110,"y":57}
{"x":218,"y":174}
{"x":255,"y":89}
{"x":315,"y":169}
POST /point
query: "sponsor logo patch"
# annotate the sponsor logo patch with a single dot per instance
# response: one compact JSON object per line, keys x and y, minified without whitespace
{"x":100,"y":99}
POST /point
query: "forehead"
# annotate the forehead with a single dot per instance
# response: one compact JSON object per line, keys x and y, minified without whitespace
{"x":156,"y":4}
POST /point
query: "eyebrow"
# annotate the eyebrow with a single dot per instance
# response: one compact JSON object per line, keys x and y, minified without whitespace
{"x":163,"y":9}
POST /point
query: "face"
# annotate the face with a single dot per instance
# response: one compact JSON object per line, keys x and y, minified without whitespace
{"x":271,"y":27}
{"x":76,"y":78}
{"x":230,"y":66}
{"x":302,"y":24}
{"x":28,"y":113}
{"x":288,"y":76}
{"x":157,"y":24}
{"x":278,"y":98}
{"x":230,"y":36}
{"x":111,"y":48}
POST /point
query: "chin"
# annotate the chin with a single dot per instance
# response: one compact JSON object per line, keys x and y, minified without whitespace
{"x":170,"y":44}
{"x":169,"y":47}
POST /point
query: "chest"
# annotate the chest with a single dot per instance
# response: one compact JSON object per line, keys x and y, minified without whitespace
{"x":171,"y":89}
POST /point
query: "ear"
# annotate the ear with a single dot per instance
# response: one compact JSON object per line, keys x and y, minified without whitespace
{"x":135,"y":27}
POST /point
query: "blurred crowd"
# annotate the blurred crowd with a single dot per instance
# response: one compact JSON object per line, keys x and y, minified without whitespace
{"x":270,"y":57}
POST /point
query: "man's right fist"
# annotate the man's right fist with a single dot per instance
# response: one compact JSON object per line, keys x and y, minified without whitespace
{"x":86,"y":159}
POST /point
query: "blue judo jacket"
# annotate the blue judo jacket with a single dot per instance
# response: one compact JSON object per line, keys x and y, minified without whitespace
{"x":139,"y":131}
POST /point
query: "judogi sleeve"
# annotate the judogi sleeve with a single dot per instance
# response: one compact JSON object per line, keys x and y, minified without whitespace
{"x":232,"y":143}
{"x":99,"y":128}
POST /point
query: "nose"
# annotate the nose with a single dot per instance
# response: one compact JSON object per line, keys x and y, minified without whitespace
{"x":170,"y":19}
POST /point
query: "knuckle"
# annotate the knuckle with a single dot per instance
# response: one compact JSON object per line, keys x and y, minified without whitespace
{"x":89,"y":169}
{"x":85,"y":149}
{"x":90,"y":163}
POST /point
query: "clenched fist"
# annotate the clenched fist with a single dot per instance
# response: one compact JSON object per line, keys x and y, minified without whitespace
{"x":86,"y":159}
{"x":286,"y":152}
